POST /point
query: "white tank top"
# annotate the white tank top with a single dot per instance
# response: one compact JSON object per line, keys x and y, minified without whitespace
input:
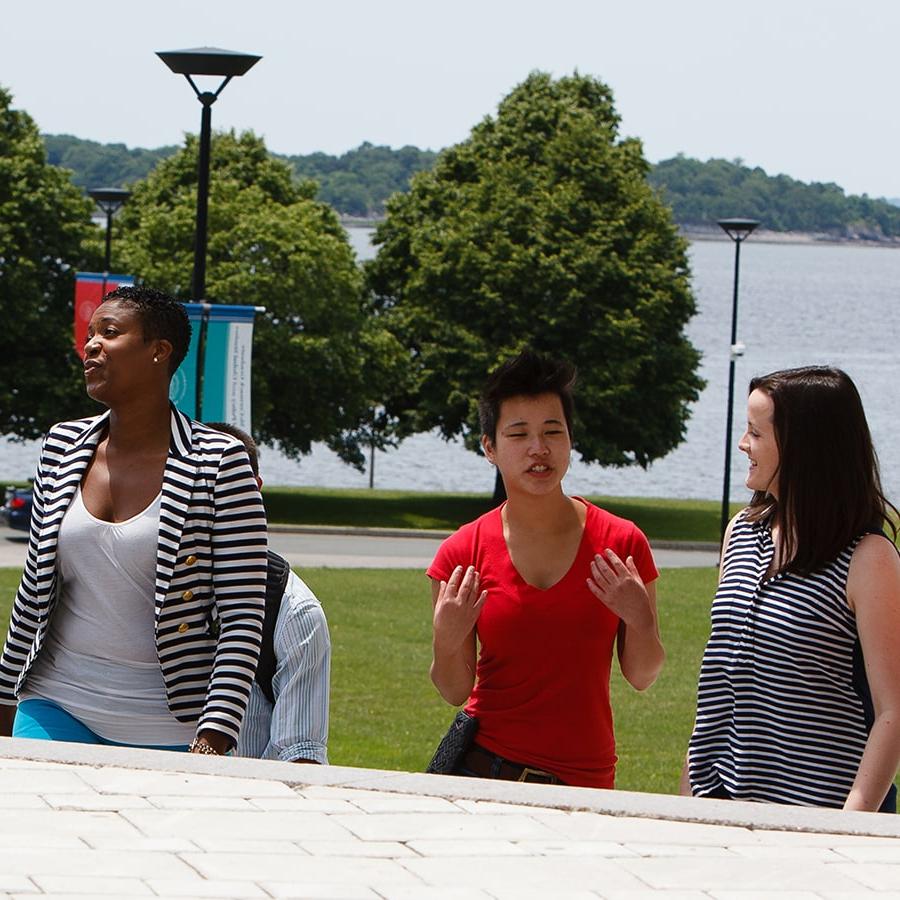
{"x":99,"y":659}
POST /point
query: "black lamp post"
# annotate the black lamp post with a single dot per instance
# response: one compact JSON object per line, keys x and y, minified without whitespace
{"x":738,"y":230}
{"x":110,"y":201}
{"x":205,"y":61}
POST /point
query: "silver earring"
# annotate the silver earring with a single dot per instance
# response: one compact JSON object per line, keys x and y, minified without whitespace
{"x":156,"y":359}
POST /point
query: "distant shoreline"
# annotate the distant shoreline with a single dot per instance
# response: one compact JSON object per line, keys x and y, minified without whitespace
{"x":763,"y":235}
{"x":359,"y":221}
{"x":714,"y":233}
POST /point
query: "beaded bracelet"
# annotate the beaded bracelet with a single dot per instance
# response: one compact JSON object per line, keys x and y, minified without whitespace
{"x":199,"y":745}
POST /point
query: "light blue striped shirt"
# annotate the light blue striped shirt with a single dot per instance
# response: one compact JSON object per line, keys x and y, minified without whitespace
{"x":297,"y":726}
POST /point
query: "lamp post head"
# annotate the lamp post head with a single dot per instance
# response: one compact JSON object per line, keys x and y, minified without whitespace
{"x":208,"y":61}
{"x":217,"y":62}
{"x":109,"y":199}
{"x":738,"y":229}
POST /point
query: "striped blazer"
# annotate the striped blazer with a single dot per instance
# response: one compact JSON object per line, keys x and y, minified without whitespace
{"x":210,"y":568}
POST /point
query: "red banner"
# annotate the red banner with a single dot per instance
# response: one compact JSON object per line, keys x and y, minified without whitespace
{"x":90,"y":289}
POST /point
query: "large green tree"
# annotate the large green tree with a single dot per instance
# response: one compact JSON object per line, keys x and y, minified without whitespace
{"x":45,"y":235}
{"x":541,"y":230}
{"x":319,"y":358}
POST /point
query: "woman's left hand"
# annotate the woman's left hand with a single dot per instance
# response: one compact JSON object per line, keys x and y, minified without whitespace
{"x":618,"y":584}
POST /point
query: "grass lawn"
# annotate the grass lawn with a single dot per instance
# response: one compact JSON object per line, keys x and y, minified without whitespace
{"x":660,"y":519}
{"x":671,"y":520}
{"x":386,"y":714}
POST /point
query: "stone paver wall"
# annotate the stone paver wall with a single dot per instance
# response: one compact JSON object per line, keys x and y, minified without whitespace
{"x":115,"y":823}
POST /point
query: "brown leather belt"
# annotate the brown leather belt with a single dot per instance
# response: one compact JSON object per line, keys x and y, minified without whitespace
{"x":484,"y":764}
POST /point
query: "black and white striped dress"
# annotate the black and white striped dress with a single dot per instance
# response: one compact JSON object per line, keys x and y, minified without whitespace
{"x":783,"y":710}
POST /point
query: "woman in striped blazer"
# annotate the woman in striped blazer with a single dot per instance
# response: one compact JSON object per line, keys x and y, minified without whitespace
{"x":139,"y":615}
{"x":799,"y":693}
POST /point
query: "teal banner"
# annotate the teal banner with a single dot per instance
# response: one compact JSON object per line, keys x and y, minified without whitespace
{"x":222,"y":345}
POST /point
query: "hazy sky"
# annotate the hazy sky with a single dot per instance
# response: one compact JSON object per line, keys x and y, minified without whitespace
{"x":803,"y":87}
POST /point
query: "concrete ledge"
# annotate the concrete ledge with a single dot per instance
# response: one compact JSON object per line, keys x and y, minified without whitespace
{"x":754,"y":816}
{"x":700,"y":546}
{"x":360,"y":531}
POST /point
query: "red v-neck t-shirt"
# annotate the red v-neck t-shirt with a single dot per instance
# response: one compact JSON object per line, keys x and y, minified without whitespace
{"x":541,"y":694}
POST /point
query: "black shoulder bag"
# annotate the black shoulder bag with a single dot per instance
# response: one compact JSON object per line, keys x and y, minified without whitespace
{"x":276,"y":583}
{"x":453,"y":745}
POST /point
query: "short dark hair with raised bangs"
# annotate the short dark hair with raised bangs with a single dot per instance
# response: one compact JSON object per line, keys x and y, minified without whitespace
{"x":829,"y":486}
{"x":162,"y":318}
{"x":244,"y":438}
{"x":526,"y":375}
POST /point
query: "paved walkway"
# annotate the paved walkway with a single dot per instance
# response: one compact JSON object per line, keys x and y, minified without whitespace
{"x":107,"y":822}
{"x":367,"y":548}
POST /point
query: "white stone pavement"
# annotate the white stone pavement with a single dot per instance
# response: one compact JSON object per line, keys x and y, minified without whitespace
{"x":107,"y":822}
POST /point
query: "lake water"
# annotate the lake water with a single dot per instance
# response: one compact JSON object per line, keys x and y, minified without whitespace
{"x":799,"y":305}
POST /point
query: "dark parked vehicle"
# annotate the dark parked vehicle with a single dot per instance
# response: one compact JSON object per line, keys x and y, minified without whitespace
{"x":16,"y":511}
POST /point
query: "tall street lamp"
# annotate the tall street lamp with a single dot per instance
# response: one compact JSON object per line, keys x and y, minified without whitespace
{"x":738,"y":230}
{"x":205,"y":61}
{"x":110,"y":201}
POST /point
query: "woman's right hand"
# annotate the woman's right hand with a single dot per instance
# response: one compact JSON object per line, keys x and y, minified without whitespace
{"x":456,"y":608}
{"x":457,"y":605}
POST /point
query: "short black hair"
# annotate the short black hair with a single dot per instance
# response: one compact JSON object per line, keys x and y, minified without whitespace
{"x":244,"y":438}
{"x":526,"y":375}
{"x":162,"y":318}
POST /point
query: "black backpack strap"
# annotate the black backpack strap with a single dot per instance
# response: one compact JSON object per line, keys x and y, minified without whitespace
{"x":276,"y":583}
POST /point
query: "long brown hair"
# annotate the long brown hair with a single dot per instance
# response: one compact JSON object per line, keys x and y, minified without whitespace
{"x":829,"y":486}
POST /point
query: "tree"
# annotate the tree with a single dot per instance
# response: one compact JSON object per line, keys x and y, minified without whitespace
{"x":541,"y":230}
{"x":45,"y":235}
{"x":319,"y":358}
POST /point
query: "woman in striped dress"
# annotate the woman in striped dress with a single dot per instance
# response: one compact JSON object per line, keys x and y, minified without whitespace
{"x":139,"y":615}
{"x":799,"y":692}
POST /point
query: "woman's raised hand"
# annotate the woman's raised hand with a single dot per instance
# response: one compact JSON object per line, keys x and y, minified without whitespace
{"x":457,"y":607}
{"x":618,"y":584}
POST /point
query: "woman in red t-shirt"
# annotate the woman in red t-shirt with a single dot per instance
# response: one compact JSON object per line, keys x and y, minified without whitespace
{"x":546,"y":584}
